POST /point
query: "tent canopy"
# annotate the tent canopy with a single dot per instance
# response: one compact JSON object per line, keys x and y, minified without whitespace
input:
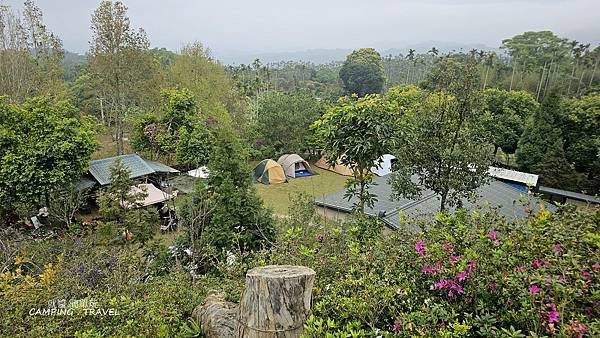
{"x":294,"y":166}
{"x":201,"y":172}
{"x":337,"y":168}
{"x":155,"y":195}
{"x":269,"y":172}
{"x":383,"y":165}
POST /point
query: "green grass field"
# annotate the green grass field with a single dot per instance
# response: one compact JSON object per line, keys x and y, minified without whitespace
{"x":277,"y":196}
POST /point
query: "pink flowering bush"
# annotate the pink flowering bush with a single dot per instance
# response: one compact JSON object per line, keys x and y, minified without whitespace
{"x":468,"y":274}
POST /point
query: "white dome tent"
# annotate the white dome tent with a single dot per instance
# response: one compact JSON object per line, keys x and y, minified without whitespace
{"x":383,"y":166}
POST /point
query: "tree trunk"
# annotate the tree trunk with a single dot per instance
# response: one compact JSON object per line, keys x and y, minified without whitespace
{"x":276,"y":302}
{"x":217,"y":317}
{"x":594,"y":71}
{"x":512,"y":77}
{"x":443,"y":201}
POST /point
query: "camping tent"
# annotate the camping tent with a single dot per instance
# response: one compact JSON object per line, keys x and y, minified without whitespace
{"x":269,"y":172}
{"x":294,"y":166}
{"x":383,"y":165}
{"x":338,"y":168}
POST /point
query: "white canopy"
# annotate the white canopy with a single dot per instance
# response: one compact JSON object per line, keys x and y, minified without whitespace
{"x":385,"y":165}
{"x":201,"y":172}
{"x":513,"y":175}
{"x":155,"y":195}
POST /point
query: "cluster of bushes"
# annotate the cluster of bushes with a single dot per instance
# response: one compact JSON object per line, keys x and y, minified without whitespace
{"x":110,"y":291}
{"x":469,"y":274}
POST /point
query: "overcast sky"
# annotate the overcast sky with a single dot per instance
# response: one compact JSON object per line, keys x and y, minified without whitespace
{"x":228,"y":26}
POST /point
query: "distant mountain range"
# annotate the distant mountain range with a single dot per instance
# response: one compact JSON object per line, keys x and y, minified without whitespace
{"x":320,"y":56}
{"x":316,"y":56}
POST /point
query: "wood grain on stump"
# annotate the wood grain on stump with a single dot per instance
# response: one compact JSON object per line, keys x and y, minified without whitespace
{"x":276,"y":302}
{"x":217,"y":317}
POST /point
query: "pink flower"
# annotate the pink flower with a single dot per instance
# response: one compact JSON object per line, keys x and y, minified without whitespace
{"x":471,"y":265}
{"x":461,"y":276}
{"x":454,"y":259}
{"x":492,"y":234}
{"x":493,"y":286}
{"x":579,"y":329}
{"x":596,"y":266}
{"x":521,"y":269}
{"x":448,"y":284}
{"x":553,"y":315}
{"x":431,"y":269}
{"x":539,"y":262}
{"x":557,"y":248}
{"x":585,"y":274}
{"x":420,"y":248}
{"x":534,"y":289}
{"x":448,"y":247}
{"x":396,"y":328}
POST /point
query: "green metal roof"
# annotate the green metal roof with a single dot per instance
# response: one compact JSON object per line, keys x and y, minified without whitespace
{"x":137,"y":166}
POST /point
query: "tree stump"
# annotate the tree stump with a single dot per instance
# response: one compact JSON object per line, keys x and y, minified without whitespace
{"x":276,"y":302}
{"x":217,"y":317}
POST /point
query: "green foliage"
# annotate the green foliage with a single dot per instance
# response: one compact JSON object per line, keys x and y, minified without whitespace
{"x":580,"y":127}
{"x":362,"y":72}
{"x":44,"y":147}
{"x":507,"y":112}
{"x":357,"y":132}
{"x":178,"y":130}
{"x":533,"y":49}
{"x":101,"y":278}
{"x":541,"y":135}
{"x":282,"y":121}
{"x":447,"y":147}
{"x":407,"y":98}
{"x":470,"y":274}
{"x":226,"y":214}
{"x":124,"y":74}
{"x":214,"y":92}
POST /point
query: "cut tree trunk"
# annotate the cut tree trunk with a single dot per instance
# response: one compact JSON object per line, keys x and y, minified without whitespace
{"x":276,"y":302}
{"x":217,"y":317}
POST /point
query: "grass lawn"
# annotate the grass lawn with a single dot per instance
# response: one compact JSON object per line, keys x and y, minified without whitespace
{"x":276,"y":196}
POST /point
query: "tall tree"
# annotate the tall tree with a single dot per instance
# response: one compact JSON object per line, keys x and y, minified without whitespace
{"x":447,"y":150}
{"x":121,"y":66}
{"x":507,"y":112}
{"x":30,"y":54}
{"x":283,"y":121}
{"x":362,"y":72}
{"x":44,"y":147}
{"x":540,"y":134}
{"x":357,"y":132}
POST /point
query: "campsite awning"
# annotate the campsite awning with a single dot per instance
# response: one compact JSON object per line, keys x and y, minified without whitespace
{"x":155,"y":195}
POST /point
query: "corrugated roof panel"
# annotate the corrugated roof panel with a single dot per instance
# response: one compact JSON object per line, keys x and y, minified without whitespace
{"x":100,"y":169}
{"x":569,"y":194}
{"x":160,"y":168}
{"x":499,"y":195}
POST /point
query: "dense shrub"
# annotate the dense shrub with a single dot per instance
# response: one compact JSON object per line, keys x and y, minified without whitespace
{"x":470,"y":274}
{"x":44,"y":274}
